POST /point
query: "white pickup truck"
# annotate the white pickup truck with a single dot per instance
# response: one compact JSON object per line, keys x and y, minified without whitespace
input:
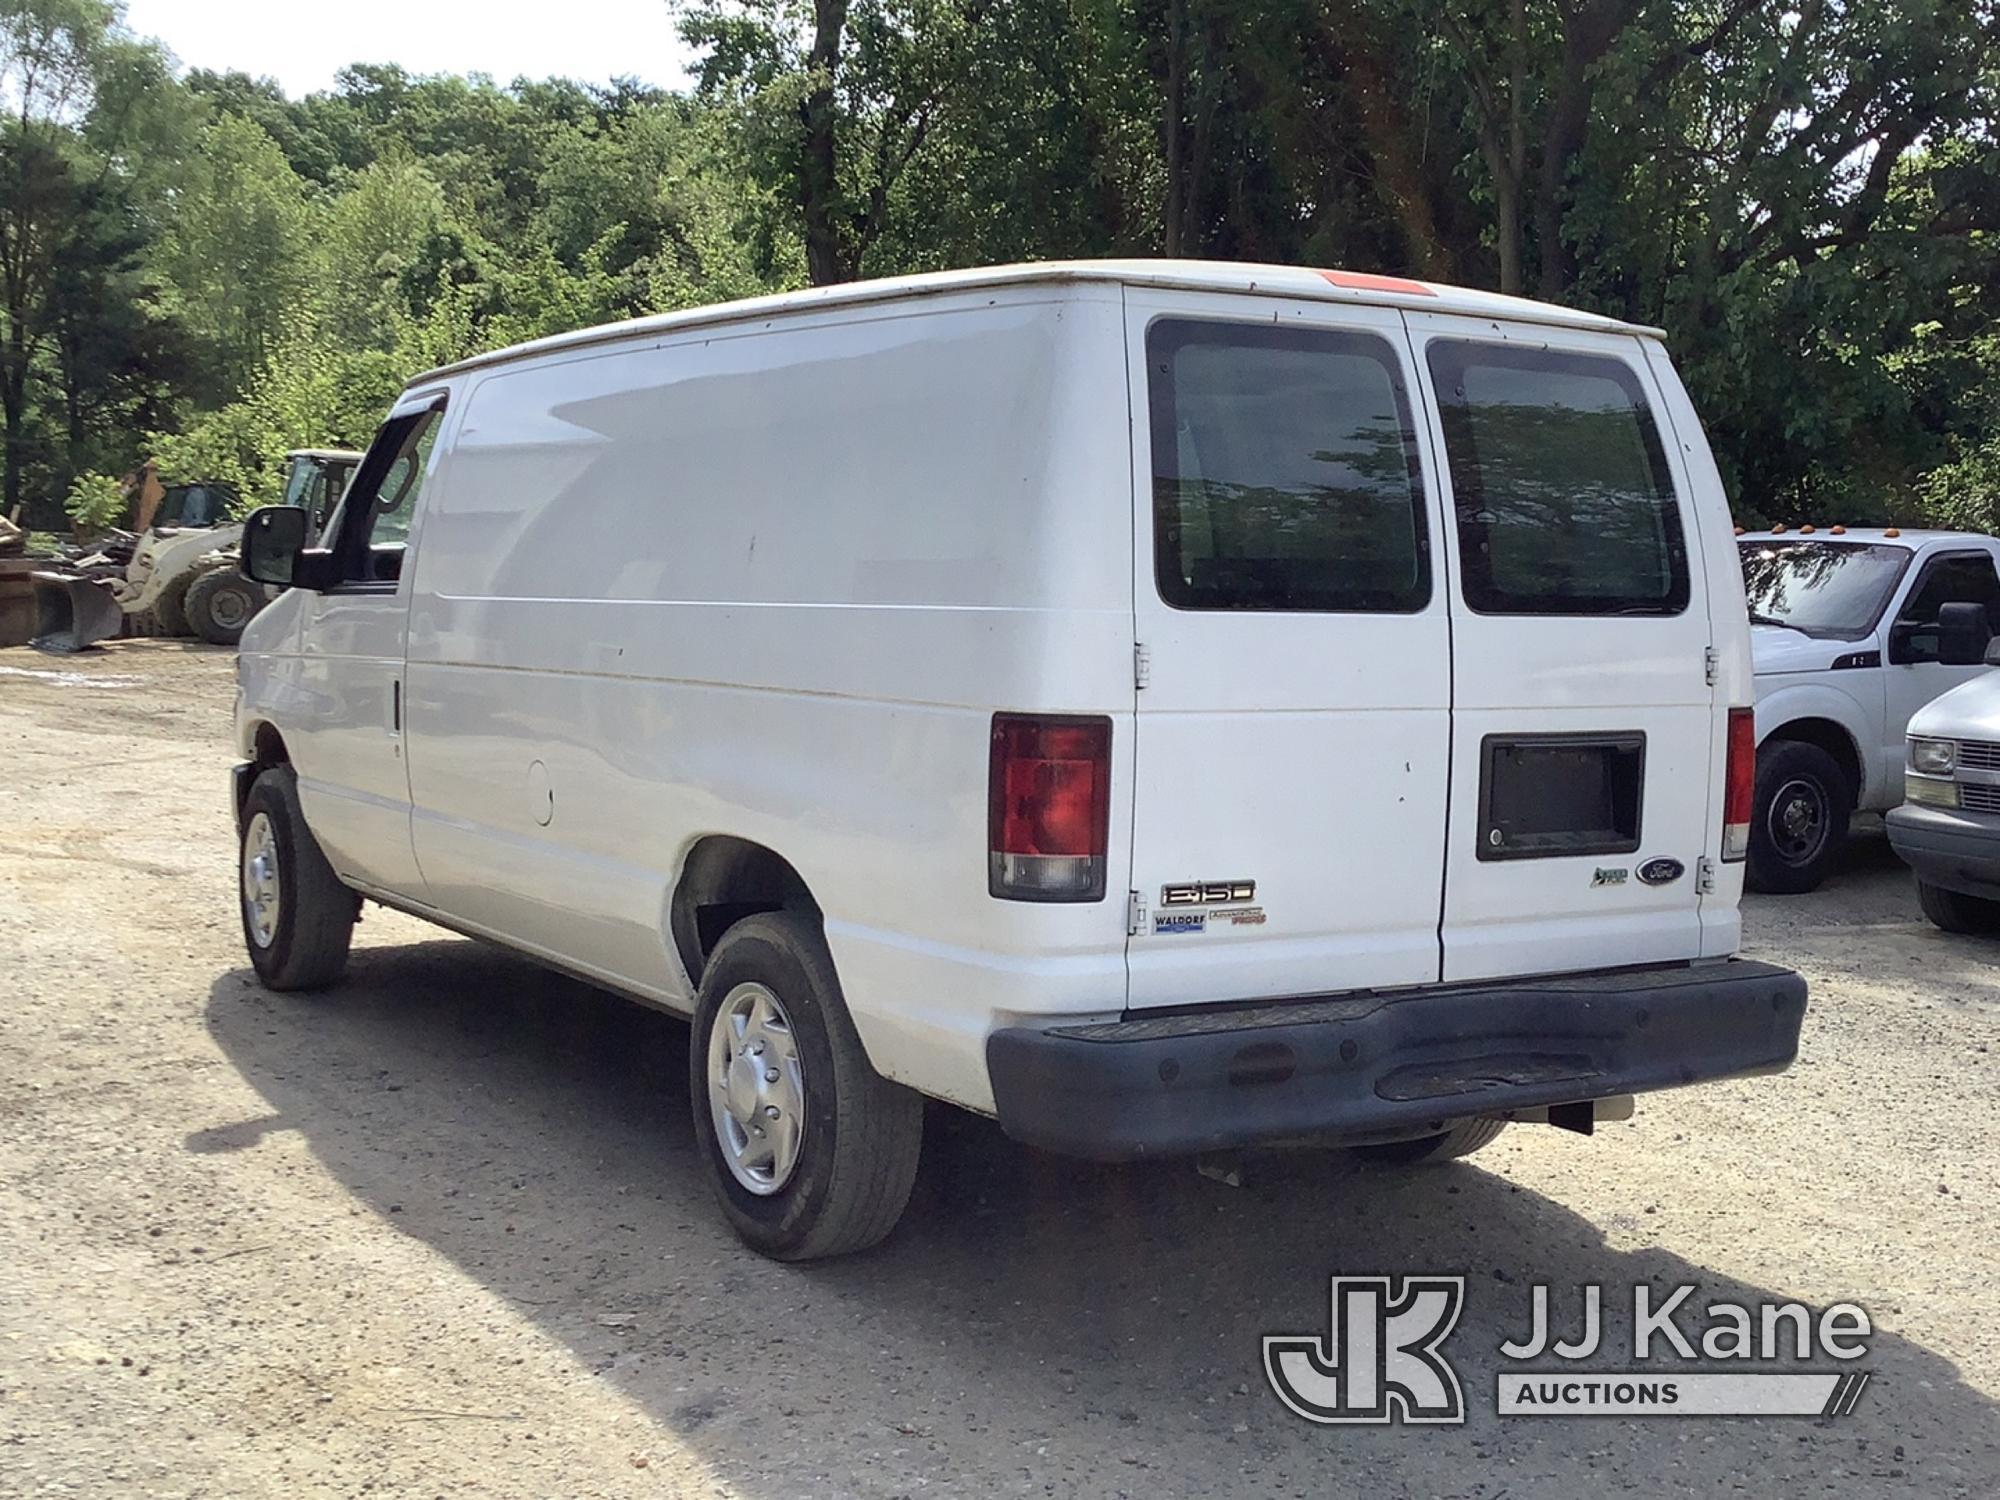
{"x":1852,"y":631}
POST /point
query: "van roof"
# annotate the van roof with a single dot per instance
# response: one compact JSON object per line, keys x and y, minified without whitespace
{"x":1297,"y":282}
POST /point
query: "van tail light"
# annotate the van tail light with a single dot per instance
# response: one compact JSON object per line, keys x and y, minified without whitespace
{"x":1739,"y":783}
{"x":1048,"y":808}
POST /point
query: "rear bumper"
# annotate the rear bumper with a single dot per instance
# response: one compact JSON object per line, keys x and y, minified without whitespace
{"x":1356,"y":1065}
{"x":1959,"y":851}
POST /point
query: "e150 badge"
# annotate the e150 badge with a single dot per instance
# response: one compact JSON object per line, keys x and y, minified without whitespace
{"x":1209,"y":893}
{"x":1214,"y":903}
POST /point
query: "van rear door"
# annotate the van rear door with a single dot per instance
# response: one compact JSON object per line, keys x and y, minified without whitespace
{"x":1289,"y":599}
{"x":1583,"y":721}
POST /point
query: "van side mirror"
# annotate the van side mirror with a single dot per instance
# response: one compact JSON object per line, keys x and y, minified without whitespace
{"x":1993,"y":653}
{"x":1964,"y":634}
{"x":273,"y":538}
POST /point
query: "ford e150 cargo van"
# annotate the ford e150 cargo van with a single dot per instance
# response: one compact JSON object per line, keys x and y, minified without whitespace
{"x":1168,"y":707}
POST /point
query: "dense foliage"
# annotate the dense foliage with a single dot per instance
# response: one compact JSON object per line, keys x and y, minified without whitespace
{"x":1805,"y":193}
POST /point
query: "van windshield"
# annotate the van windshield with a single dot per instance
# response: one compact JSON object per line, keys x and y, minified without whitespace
{"x":1832,"y":589}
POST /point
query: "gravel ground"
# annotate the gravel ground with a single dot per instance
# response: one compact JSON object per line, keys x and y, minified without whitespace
{"x":441,"y":1231}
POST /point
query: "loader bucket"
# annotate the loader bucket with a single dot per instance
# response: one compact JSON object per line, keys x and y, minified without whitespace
{"x":72,"y":613}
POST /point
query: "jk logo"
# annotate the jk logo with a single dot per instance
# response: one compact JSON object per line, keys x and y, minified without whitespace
{"x":1382,"y":1362}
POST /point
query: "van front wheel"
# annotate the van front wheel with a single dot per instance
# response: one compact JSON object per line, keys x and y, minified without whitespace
{"x":811,"y":1151}
{"x":1954,"y":911}
{"x":1798,"y":819}
{"x":298,"y":919}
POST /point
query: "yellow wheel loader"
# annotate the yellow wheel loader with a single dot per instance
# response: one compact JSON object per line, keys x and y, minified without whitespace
{"x":182,"y":572}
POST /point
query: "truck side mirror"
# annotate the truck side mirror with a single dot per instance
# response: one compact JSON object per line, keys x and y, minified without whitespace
{"x":273,"y":538}
{"x":1993,"y":653}
{"x":1964,"y":634}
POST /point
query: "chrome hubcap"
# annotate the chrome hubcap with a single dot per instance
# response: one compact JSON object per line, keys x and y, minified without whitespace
{"x":1798,"y":820}
{"x":756,"y":1091}
{"x":261,"y":897}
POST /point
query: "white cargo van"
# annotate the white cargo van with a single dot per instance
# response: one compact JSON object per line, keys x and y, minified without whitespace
{"x":1169,"y":707}
{"x":1948,"y":830}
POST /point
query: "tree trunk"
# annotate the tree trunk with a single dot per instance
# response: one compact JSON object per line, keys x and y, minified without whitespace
{"x":14,"y":398}
{"x":1173,"y":120}
{"x":819,"y":168}
{"x":1507,"y":229}
{"x":1399,"y":179}
{"x":1589,"y":32}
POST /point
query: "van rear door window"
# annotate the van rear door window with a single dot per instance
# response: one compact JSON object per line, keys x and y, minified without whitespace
{"x":1565,"y":502}
{"x":1284,"y":471}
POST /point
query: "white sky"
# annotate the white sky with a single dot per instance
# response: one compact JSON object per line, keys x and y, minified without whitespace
{"x":303,"y":43}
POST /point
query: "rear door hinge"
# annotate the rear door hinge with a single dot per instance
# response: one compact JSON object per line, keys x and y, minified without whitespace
{"x":1142,"y":664}
{"x":1135,"y":914}
{"x":1710,"y":662}
{"x":1704,"y":876}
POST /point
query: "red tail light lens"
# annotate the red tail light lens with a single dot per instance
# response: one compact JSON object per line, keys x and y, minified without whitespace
{"x":1049,"y":808}
{"x":1739,"y":783}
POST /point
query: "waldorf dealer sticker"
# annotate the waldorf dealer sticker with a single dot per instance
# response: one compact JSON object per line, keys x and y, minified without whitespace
{"x":1384,"y":1356}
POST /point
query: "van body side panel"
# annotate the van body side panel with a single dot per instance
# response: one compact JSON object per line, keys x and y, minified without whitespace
{"x":1553,"y":683}
{"x":773,"y":582}
{"x":1289,"y":591}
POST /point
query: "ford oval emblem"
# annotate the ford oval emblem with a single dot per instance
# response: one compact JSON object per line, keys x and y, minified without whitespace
{"x":1661,"y":871}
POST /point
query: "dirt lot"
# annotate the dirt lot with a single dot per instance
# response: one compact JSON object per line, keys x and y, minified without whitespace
{"x":440,"y":1232}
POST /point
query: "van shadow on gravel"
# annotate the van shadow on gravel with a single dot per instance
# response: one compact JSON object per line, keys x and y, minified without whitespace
{"x":534,"y":1131}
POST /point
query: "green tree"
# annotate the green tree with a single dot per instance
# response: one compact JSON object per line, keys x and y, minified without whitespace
{"x":236,"y":250}
{"x":372,"y":238}
{"x":837,"y":99}
{"x":94,"y":501}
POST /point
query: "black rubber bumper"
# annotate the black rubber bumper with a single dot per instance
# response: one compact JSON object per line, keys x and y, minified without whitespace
{"x":1959,"y":851}
{"x":1354,"y":1065}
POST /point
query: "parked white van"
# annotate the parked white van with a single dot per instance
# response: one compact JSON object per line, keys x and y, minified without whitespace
{"x":1853,"y":630}
{"x":1948,"y":830}
{"x":1169,"y":707}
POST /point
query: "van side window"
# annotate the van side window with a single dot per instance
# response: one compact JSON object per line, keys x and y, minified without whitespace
{"x":389,"y":512}
{"x":375,"y":524}
{"x":1285,"y":471}
{"x":1565,"y":502}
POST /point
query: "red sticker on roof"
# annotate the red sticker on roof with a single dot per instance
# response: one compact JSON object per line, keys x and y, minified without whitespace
{"x":1361,"y":281}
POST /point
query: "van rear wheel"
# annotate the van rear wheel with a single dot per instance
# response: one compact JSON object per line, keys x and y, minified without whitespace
{"x":1798,"y":819}
{"x":812,"y":1153}
{"x":1464,"y":1138}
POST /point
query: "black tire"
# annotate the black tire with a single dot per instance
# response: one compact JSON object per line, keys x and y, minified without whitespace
{"x":1954,"y":911}
{"x":1464,"y":1138}
{"x":1798,"y":819}
{"x":220,"y":602}
{"x":307,"y":944}
{"x":857,"y":1156}
{"x":170,"y":609}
